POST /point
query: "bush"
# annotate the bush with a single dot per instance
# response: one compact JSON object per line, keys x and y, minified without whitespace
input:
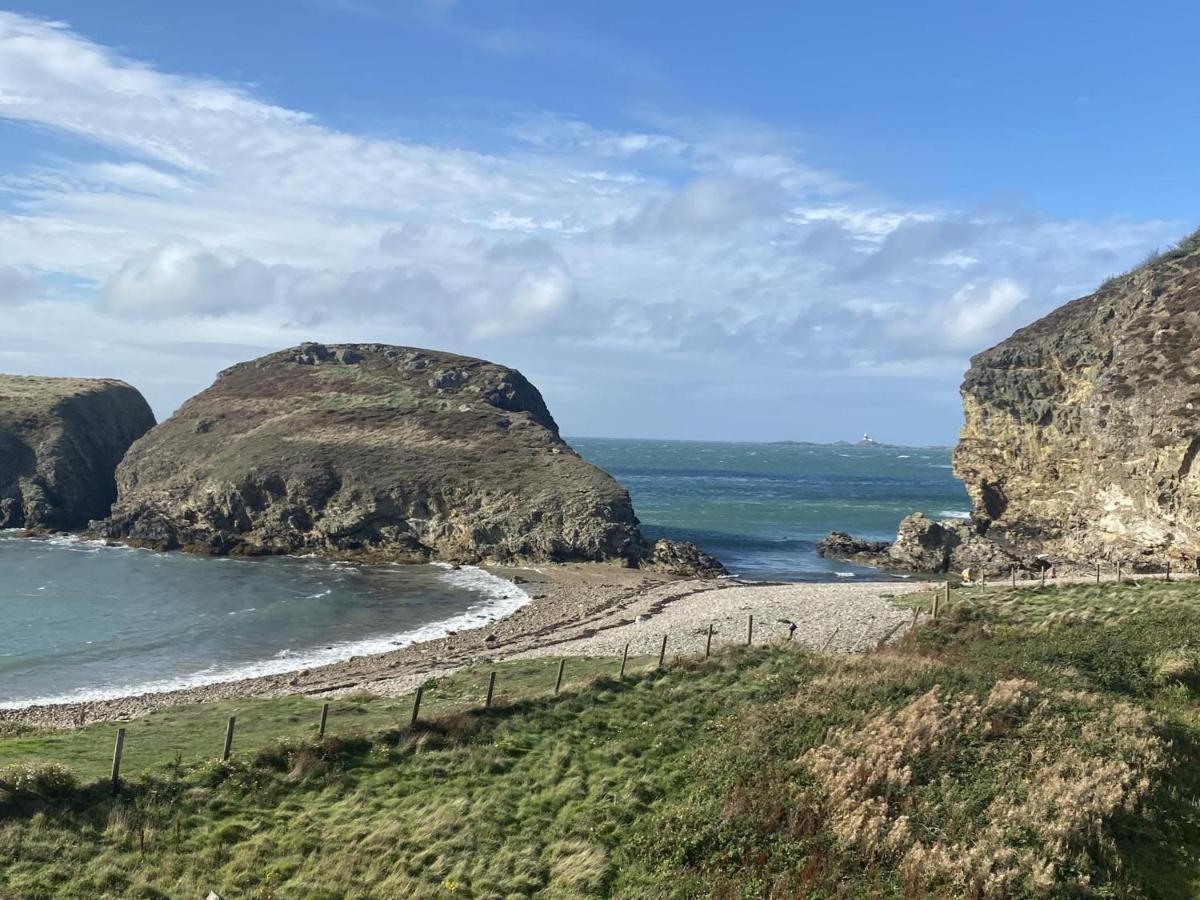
{"x":44,"y":779}
{"x":1178,"y":666}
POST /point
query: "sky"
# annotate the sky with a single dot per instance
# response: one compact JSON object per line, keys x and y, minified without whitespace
{"x":694,"y":220}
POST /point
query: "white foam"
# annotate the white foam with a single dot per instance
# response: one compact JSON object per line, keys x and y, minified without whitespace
{"x":954,"y":514}
{"x":498,"y":598}
{"x":844,"y":574}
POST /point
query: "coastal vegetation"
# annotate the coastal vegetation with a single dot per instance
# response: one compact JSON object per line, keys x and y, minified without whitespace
{"x":1031,"y":742}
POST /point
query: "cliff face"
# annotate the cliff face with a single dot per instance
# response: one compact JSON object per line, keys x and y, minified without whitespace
{"x":1082,"y":430}
{"x":60,"y":442}
{"x":390,"y":452}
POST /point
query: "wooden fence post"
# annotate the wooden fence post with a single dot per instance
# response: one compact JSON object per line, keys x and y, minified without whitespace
{"x":708,"y":642}
{"x":936,"y":596}
{"x":417,"y":703}
{"x":228,"y":738}
{"x":662,"y":652}
{"x":1097,"y":573}
{"x":324,"y":718}
{"x":947,"y":596}
{"x":1014,"y":576}
{"x":562,"y":664}
{"x":487,"y":701}
{"x":116,"y":766}
{"x":750,"y":630}
{"x":624,"y":659}
{"x":1118,"y":572}
{"x":1168,"y":570}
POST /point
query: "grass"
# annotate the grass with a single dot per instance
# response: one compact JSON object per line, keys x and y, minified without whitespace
{"x":195,"y":733}
{"x":1185,"y":246}
{"x":1007,"y":750}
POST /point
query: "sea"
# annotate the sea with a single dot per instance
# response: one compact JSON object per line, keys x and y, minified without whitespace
{"x":81,"y":621}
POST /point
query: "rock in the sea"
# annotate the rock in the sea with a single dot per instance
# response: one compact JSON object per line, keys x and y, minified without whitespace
{"x":371,"y":450}
{"x":1082,"y":430}
{"x":60,"y":442}
{"x":840,"y":545}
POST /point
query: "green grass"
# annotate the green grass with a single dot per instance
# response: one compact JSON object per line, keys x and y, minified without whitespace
{"x":195,"y":733}
{"x":991,"y":754}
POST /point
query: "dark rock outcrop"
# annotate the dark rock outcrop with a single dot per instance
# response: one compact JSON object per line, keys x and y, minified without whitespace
{"x":840,"y":545}
{"x":371,"y":450}
{"x":60,"y":442}
{"x":682,"y":559}
{"x":1082,"y":430}
{"x":927,"y":545}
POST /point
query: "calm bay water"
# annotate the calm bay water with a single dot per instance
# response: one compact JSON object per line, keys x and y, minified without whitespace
{"x":82,"y":621}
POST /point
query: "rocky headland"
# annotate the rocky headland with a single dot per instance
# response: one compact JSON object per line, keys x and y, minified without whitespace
{"x":390,"y":453}
{"x":60,"y":442}
{"x":1082,"y":430}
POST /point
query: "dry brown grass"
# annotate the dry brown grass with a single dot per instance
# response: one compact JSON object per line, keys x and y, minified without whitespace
{"x":885,"y":786}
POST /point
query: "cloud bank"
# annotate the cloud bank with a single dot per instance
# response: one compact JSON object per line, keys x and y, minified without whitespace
{"x":667,"y":266}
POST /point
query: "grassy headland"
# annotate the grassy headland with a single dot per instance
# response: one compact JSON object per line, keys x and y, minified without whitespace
{"x":1031,"y":742}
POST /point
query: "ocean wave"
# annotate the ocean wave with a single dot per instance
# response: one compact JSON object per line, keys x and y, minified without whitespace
{"x":954,"y":514}
{"x":498,"y":598}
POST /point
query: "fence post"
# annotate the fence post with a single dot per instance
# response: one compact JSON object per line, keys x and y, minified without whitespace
{"x":487,"y":701}
{"x":1097,"y":573}
{"x":936,"y":596}
{"x":1168,"y":570}
{"x":750,"y":630}
{"x":116,"y":767}
{"x":947,"y":596}
{"x":983,"y":577}
{"x":1014,"y":575}
{"x":624,"y":659}
{"x":324,"y":717}
{"x":417,"y":704}
{"x":1118,"y":572}
{"x":708,"y":642}
{"x":562,"y":664}
{"x":228,"y":738}
{"x":662,"y":652}
{"x":1044,"y":575}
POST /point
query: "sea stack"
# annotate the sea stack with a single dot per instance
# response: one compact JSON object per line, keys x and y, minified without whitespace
{"x":60,"y":442}
{"x":1082,"y":429}
{"x":391,"y":453}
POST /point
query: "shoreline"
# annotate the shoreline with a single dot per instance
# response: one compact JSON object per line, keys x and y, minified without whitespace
{"x":574,"y":609}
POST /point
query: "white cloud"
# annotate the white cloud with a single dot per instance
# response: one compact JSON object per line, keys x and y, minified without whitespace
{"x":705,"y":247}
{"x":182,"y":278}
{"x":15,"y":286}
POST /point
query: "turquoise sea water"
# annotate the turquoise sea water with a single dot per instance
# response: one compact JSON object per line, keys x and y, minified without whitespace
{"x":79,"y":620}
{"x":760,"y":508}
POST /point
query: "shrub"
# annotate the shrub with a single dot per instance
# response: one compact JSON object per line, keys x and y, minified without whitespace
{"x":48,"y":780}
{"x":1178,"y":666}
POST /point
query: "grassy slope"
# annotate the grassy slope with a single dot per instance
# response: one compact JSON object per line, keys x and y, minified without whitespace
{"x":742,"y":776}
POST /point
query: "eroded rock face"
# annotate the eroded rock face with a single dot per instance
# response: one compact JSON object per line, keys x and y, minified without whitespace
{"x":368,"y":449}
{"x":840,"y":545}
{"x":928,"y":545}
{"x":1082,"y":430}
{"x":682,"y":559}
{"x":60,"y":442}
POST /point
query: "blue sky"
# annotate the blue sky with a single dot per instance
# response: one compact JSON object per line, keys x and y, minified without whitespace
{"x":684,"y":220}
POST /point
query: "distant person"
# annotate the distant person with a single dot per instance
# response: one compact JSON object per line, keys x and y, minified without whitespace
{"x":966,"y":576}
